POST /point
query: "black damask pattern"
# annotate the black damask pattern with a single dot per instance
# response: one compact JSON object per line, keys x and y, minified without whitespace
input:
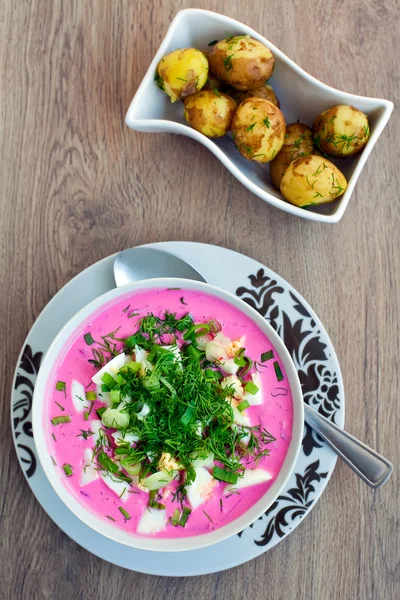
{"x":296,"y":501}
{"x":303,"y":340}
{"x":22,"y":407}
{"x":319,"y":386}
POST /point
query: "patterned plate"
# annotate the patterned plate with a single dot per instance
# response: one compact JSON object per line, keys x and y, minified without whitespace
{"x":319,"y":373}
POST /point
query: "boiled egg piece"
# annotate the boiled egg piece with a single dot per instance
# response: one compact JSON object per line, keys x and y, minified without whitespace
{"x":152,"y":521}
{"x":112,"y":368}
{"x":201,"y":489}
{"x":250,"y":477}
{"x":89,"y":473}
{"x":234,"y":382}
{"x":78,"y":396}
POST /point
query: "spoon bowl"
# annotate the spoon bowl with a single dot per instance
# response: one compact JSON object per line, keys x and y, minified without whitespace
{"x":136,"y":264}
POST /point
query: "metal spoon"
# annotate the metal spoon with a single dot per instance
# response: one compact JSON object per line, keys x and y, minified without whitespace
{"x":370,"y":466}
{"x":135,"y":264}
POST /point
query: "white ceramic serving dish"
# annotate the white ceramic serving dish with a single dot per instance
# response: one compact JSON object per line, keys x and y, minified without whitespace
{"x":55,"y":475}
{"x":301,"y":96}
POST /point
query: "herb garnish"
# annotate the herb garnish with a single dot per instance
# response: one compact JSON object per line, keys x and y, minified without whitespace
{"x":228,"y":62}
{"x":267,"y":122}
{"x":85,"y":433}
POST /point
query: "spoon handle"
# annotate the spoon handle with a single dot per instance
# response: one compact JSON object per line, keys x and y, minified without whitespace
{"x":370,"y":466}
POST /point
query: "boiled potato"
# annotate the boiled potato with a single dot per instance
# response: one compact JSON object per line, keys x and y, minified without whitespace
{"x":241,"y":61}
{"x":182,"y":72}
{"x":210,"y":112}
{"x":258,"y":129}
{"x":213,"y":83}
{"x":298,"y":142}
{"x":262,"y":91}
{"x":312,"y":180}
{"x":341,"y":131}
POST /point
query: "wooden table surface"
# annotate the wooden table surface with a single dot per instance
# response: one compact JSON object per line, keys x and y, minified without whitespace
{"x":77,"y":185}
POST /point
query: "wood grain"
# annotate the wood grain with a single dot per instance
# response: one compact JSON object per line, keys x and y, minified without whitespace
{"x":76,"y":185}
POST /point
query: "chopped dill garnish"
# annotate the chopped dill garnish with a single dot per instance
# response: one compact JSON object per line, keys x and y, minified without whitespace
{"x":310,"y":184}
{"x":267,"y":122}
{"x":85,"y":433}
{"x":299,"y":140}
{"x":208,"y":517}
{"x":228,"y":62}
{"x":251,"y":127}
{"x":216,"y":92}
{"x":181,"y":408}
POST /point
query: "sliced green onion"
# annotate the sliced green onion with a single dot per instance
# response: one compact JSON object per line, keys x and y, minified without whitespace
{"x":243,"y":405}
{"x":184,"y":516}
{"x":151,"y":382}
{"x":132,"y":365}
{"x":109,"y":381}
{"x":192,"y":351}
{"x":267,"y":355}
{"x":213,"y":375}
{"x":155,"y":504}
{"x":122,"y":449}
{"x":175,"y":517}
{"x":59,"y":405}
{"x":61,"y":386}
{"x":86,"y":415}
{"x":111,"y":518}
{"x":278,"y":371}
{"x":68,"y":470}
{"x":53,"y":461}
{"x":244,"y":370}
{"x":124,"y":512}
{"x":224,"y":475}
{"x":115,"y":396}
{"x":105,"y":388}
{"x":100,"y":411}
{"x":54,"y":437}
{"x":88,"y":339}
{"x":157,"y":480}
{"x":116,"y":418}
{"x":188,"y":415}
{"x":251,"y":388}
{"x":215,"y":326}
{"x":239,"y":359}
{"x":120,"y":379}
{"x":91,"y":396}
{"x":61,"y":419}
{"x":130,"y":466}
{"x":106,"y":462}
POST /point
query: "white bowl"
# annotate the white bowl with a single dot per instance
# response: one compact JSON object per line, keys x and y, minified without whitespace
{"x":54,"y":475}
{"x":301,"y":96}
